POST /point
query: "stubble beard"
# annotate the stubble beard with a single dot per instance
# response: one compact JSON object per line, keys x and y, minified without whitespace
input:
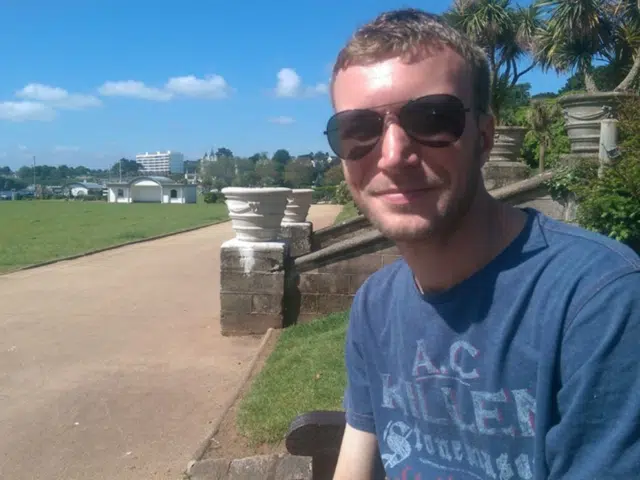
{"x":441,"y":226}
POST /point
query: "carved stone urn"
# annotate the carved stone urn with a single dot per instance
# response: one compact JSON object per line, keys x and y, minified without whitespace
{"x":256,"y":213}
{"x":583,"y":113}
{"x":507,"y":144}
{"x":298,"y":205}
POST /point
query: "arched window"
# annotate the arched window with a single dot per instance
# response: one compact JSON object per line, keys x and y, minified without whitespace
{"x":174,"y":193}
{"x":120,"y":193}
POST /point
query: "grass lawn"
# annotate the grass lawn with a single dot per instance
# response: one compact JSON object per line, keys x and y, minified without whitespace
{"x":40,"y":230}
{"x":304,"y":372}
{"x":348,"y":211}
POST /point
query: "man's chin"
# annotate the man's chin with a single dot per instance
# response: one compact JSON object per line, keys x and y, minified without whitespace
{"x":405,"y":227}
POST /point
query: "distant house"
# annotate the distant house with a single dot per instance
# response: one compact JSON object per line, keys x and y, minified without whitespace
{"x":79,"y":189}
{"x":151,"y":189}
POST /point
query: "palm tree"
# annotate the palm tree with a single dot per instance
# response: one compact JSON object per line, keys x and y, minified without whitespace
{"x":506,"y":33}
{"x":577,"y":32}
{"x":540,"y":117}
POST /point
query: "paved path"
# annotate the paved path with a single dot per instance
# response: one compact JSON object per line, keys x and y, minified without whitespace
{"x":112,"y":366}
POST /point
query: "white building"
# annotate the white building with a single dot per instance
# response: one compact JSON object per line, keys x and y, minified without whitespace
{"x":151,"y":189}
{"x":161,"y":162}
{"x":79,"y":189}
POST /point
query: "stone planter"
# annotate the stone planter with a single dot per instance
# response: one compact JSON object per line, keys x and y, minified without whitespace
{"x":256,"y":213}
{"x":583,"y":113}
{"x":507,"y":144}
{"x":298,"y":205}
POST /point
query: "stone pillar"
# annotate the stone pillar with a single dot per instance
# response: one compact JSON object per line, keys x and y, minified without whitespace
{"x":298,"y":234}
{"x":252,"y":285}
{"x":608,"y":143}
{"x":504,"y":167}
{"x":295,"y":227}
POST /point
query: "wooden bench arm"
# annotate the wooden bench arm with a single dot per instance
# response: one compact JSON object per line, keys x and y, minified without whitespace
{"x":318,"y":435}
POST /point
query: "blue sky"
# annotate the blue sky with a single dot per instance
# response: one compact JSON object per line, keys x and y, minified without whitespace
{"x":89,"y":81}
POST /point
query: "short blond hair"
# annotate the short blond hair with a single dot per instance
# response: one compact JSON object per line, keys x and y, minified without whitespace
{"x":407,"y":33}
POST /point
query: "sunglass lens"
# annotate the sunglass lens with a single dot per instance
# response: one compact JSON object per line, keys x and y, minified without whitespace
{"x":436,"y":121}
{"x":353,"y":134}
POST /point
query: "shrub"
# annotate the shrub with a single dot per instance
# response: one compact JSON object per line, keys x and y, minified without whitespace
{"x":342,"y":194}
{"x":211,"y":197}
{"x":324,"y":194}
{"x":608,"y":203}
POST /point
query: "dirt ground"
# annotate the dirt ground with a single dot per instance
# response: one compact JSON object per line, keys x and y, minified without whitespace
{"x":228,"y":442}
{"x":112,"y":366}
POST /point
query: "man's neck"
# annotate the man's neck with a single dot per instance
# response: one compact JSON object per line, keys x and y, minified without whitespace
{"x":485,"y":231}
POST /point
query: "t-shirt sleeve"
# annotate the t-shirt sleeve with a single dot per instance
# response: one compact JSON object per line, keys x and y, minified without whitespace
{"x":357,"y":398}
{"x":598,"y":435}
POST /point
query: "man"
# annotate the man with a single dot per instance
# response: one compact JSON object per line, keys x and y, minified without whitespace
{"x":505,"y":344}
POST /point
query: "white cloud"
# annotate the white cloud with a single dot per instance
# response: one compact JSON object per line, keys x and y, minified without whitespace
{"x":66,"y":148}
{"x":211,"y":86}
{"x":282,"y":120}
{"x":57,"y":97}
{"x":23,"y":148}
{"x":133,"y":89}
{"x":290,"y":85}
{"x":26,"y":110}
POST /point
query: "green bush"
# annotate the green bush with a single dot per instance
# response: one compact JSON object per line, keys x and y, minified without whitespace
{"x":608,"y":203}
{"x":211,"y":197}
{"x":324,"y":194}
{"x":342,"y":194}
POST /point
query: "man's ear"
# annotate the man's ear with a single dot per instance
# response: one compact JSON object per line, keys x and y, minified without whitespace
{"x":486,"y":130}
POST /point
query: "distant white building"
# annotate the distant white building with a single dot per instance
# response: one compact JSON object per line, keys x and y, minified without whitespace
{"x":79,"y":189}
{"x":151,"y":189}
{"x":161,"y":163}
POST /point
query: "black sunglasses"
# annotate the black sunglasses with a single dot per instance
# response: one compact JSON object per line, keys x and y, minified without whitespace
{"x":434,"y":120}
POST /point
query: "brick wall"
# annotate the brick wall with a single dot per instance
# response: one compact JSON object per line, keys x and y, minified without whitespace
{"x":251,"y":301}
{"x":329,"y":286}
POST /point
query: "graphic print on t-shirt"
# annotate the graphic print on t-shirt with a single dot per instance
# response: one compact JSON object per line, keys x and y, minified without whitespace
{"x":443,"y":418}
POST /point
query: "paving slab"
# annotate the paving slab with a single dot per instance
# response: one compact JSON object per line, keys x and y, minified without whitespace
{"x":112,"y":365}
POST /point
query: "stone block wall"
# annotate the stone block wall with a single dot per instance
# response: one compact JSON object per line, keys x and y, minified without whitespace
{"x":252,"y":283}
{"x":340,"y":232}
{"x":327,"y":286}
{"x":299,"y":237}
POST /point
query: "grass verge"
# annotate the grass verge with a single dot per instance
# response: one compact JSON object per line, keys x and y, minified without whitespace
{"x":349,"y":210}
{"x":305,"y":372}
{"x":37,"y":231}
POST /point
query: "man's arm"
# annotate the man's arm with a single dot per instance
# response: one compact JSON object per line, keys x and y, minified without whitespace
{"x":359,"y":444}
{"x":598,"y":434}
{"x":357,"y":455}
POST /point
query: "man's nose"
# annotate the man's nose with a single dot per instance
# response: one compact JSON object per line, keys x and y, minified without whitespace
{"x":396,"y":152}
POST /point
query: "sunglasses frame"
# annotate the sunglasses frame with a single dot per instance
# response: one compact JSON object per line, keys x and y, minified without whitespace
{"x":382,"y":116}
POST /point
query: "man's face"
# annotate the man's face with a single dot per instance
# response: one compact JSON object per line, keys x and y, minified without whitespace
{"x":408,"y":190}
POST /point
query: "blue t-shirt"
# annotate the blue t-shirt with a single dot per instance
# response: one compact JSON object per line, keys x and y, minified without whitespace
{"x":529,"y":369}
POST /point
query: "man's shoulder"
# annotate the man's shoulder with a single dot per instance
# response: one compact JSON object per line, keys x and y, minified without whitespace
{"x":580,"y":248}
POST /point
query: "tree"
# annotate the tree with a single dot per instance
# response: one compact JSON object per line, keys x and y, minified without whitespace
{"x":269,"y":173}
{"x":11,"y":184}
{"x":506,"y":34}
{"x":541,"y":116}
{"x":281,"y":157}
{"x":256,"y":157}
{"x":334,"y":175}
{"x":5,"y":171}
{"x":223,"y":152}
{"x":222,"y":171}
{"x":299,"y":173}
{"x":577,"y":32}
{"x":129,"y":168}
